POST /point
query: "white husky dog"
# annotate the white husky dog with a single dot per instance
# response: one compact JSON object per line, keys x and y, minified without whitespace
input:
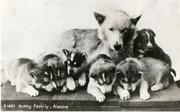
{"x":114,"y":37}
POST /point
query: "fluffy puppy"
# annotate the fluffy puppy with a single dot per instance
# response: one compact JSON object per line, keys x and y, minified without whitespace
{"x":101,"y":77}
{"x":146,"y":73}
{"x":75,"y":64}
{"x":145,"y":46}
{"x":26,"y":74}
{"x":59,"y":72}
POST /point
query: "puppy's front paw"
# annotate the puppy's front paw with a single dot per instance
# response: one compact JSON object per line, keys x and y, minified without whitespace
{"x":100,"y":97}
{"x":34,"y":93}
{"x":145,"y":96}
{"x":64,"y":89}
{"x":124,"y":95}
{"x":70,"y":84}
{"x":31,"y":91}
{"x":109,"y":89}
{"x":82,"y":82}
{"x":156,"y":87}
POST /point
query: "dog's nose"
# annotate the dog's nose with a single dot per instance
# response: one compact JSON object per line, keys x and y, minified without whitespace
{"x":117,"y":47}
{"x":150,"y":47}
{"x":71,"y":72}
{"x":130,"y":89}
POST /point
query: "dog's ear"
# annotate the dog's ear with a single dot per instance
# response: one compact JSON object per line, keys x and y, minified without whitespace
{"x":99,"y":17}
{"x":65,"y":63}
{"x":66,"y":52}
{"x":139,"y":74}
{"x":112,"y":69}
{"x":135,"y":20}
{"x":119,"y":73}
{"x":84,"y":55}
{"x":153,"y":33}
{"x":93,"y":75}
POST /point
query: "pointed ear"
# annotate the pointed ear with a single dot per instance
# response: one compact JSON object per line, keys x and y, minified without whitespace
{"x":135,"y":20}
{"x":140,"y":73}
{"x":66,"y":52}
{"x":99,"y":17}
{"x":84,"y":55}
{"x":93,"y":75}
{"x":112,"y":69}
{"x":153,"y":33}
{"x":33,"y":74}
{"x":64,"y":63}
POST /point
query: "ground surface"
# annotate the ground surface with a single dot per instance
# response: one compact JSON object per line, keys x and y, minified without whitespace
{"x":168,"y":99}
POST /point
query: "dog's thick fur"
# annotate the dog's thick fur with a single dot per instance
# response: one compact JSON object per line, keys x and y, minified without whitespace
{"x":58,"y":69}
{"x":55,"y":64}
{"x":145,"y":45}
{"x":114,"y":37}
{"x":75,"y":64}
{"x":147,"y":72}
{"x":101,"y":77}
{"x":24,"y":73}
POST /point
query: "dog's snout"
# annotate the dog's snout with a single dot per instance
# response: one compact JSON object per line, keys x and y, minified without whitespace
{"x":71,"y":72}
{"x":150,"y":47}
{"x":129,"y":89}
{"x":117,"y":47}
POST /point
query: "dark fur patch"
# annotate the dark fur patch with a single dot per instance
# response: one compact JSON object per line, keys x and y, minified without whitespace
{"x":55,"y":64}
{"x":156,"y":52}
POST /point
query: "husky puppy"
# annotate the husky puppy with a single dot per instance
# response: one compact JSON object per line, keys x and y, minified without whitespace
{"x":146,"y":73}
{"x":101,"y":77}
{"x":59,"y":72}
{"x":26,"y":74}
{"x":114,"y":37}
{"x":75,"y":64}
{"x":145,"y":45}
{"x":56,"y":65}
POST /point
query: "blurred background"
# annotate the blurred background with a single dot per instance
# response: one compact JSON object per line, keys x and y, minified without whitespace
{"x":28,"y":26}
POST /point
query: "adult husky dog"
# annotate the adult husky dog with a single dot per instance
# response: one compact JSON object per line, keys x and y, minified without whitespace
{"x":114,"y":37}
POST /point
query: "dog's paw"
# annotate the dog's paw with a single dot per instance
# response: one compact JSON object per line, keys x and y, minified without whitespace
{"x":64,"y":89}
{"x":125,"y":95}
{"x":156,"y":87}
{"x":70,"y":84}
{"x":31,"y":91}
{"x":145,"y":96}
{"x":82,"y":82}
{"x":109,"y":89}
{"x":34,"y":93}
{"x":100,"y":97}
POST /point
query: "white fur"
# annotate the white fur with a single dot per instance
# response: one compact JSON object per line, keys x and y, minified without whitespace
{"x":98,"y":91}
{"x":70,"y":83}
{"x":31,"y":91}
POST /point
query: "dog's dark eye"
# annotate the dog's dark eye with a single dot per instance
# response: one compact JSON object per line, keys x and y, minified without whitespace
{"x":111,"y":29}
{"x":123,"y":30}
{"x":134,"y":80}
{"x":124,"y":81}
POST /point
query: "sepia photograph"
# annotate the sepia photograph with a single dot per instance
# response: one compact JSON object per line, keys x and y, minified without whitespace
{"x":90,"y":55}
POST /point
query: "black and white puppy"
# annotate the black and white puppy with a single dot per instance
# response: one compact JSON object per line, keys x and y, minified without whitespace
{"x":75,"y":64}
{"x":101,"y":76}
{"x":147,"y":73}
{"x":145,"y":46}
{"x":27,"y":76}
{"x":59,"y":72}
